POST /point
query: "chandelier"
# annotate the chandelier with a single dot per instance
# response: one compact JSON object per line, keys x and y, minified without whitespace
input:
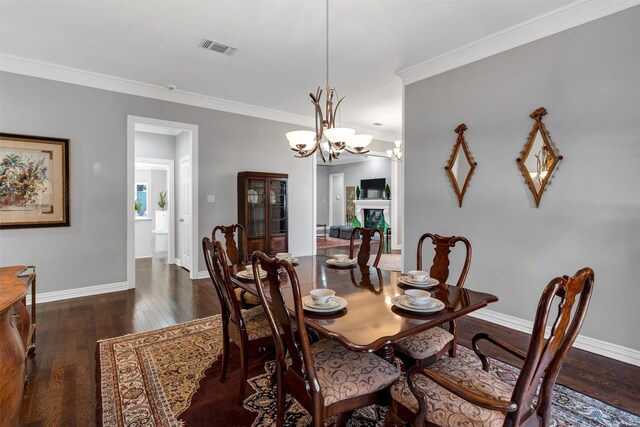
{"x":338,"y":139}
{"x":396,"y":153}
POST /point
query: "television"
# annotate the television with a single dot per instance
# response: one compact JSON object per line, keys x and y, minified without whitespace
{"x":373,"y":188}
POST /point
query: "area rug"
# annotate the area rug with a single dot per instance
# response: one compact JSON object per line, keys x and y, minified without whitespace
{"x":333,"y":243}
{"x":150,"y":378}
{"x":570,"y":408}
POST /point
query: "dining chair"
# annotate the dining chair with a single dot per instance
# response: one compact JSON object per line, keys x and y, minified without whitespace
{"x":249,"y":328}
{"x":427,"y":347}
{"x":455,"y":391}
{"x":236,"y":255}
{"x":326,"y":378}
{"x":364,"y":253}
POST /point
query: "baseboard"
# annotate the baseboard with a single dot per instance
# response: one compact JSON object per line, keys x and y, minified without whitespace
{"x":177,"y":262}
{"x":202,"y":275}
{"x":603,"y":348}
{"x":79,"y":292}
{"x":144,"y":257}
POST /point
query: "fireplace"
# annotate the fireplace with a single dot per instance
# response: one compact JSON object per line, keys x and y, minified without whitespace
{"x":374,"y":218}
{"x":373,"y":213}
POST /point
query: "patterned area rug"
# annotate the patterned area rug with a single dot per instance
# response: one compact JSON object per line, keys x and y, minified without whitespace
{"x":150,"y":378}
{"x":333,"y":243}
{"x":570,"y":408}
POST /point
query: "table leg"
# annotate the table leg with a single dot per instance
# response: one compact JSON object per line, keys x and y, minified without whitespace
{"x":386,"y":353}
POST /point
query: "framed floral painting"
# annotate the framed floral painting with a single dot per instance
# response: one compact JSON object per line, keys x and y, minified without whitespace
{"x":34,"y":181}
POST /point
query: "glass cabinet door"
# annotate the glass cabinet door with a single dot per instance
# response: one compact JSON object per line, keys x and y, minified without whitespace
{"x":256,"y":209}
{"x":278,"y":206}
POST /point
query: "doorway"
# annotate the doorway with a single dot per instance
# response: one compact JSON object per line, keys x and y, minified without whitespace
{"x":183,"y":248}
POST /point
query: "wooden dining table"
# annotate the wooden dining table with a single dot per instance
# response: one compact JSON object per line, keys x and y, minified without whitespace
{"x":370,"y":322}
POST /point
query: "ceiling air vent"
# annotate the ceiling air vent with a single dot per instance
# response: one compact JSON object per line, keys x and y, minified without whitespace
{"x":218,"y":47}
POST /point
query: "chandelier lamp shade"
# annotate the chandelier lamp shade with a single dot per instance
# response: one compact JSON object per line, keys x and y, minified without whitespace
{"x":396,"y":153}
{"x":327,"y":137}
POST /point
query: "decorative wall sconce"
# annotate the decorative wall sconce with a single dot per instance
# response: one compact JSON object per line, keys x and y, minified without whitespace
{"x":461,"y":164}
{"x":539,"y":157}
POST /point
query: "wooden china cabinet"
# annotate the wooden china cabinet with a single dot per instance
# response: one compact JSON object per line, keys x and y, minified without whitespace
{"x":262,"y":211}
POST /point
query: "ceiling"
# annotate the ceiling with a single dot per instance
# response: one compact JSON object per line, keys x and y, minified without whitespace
{"x":281,"y":44}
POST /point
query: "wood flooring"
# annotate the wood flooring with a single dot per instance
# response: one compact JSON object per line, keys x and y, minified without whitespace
{"x":61,"y":391}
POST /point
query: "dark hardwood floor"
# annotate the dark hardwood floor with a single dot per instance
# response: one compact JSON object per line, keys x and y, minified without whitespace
{"x":62,"y":387}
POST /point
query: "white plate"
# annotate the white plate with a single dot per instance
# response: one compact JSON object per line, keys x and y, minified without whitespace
{"x":402,"y":303}
{"x":338,"y":304}
{"x":244,"y":275}
{"x":429,"y":283}
{"x":335,"y":262}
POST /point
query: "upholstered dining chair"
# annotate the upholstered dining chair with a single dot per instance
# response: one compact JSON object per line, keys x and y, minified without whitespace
{"x":364,"y":253}
{"x":248,"y":329}
{"x":425,"y":348}
{"x":236,"y":256}
{"x":325,"y":378}
{"x":456,"y":391}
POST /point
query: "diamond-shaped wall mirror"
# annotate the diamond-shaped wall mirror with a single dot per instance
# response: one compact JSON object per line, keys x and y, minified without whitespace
{"x":461,"y":165}
{"x":539,"y":157}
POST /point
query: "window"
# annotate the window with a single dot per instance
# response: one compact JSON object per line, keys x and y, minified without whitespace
{"x":142,"y":199}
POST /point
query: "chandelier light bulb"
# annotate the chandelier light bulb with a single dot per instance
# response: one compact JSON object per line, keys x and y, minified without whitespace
{"x":300,"y":139}
{"x":359,"y":141}
{"x":339,"y":134}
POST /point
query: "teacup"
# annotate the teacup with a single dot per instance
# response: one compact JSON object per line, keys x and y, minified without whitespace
{"x":249,"y":271}
{"x":322,"y":296}
{"x":341,"y":257}
{"x":419,"y":275}
{"x":417,"y":296}
{"x":284,"y":255}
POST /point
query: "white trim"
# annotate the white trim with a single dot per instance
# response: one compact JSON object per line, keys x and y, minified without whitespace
{"x":177,"y":262}
{"x":131,"y":122}
{"x":314,"y":203}
{"x":44,"y":70}
{"x":170,"y":168}
{"x":145,"y":256}
{"x":569,"y":16}
{"x":603,"y":348}
{"x":78,"y":292}
{"x":202,"y":275}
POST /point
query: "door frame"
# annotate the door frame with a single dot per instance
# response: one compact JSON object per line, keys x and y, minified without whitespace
{"x":131,"y":159}
{"x":331,"y":201}
{"x":169,"y":164}
{"x":179,"y":205}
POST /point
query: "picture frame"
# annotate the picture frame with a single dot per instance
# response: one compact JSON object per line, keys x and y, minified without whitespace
{"x":34,"y":181}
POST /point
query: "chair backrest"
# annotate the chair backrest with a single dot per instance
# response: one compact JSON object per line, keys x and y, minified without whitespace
{"x":236,"y":255}
{"x":440,"y":266}
{"x":218,"y":268}
{"x":301,"y":371}
{"x":545,"y":357}
{"x":364,"y":253}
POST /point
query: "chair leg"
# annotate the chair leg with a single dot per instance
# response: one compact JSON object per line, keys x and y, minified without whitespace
{"x":280,"y":400}
{"x":244,"y":367}
{"x":225,"y":352}
{"x":453,"y":328}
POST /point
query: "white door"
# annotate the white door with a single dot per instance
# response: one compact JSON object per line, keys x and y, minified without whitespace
{"x":184,"y":221}
{"x":336,"y":199}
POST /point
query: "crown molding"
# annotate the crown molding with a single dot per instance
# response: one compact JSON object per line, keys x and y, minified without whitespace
{"x":76,"y":76}
{"x":576,"y":13}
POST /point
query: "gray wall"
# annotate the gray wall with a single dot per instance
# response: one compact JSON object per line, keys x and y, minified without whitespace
{"x":155,"y":146}
{"x":93,"y":250}
{"x":372,"y":167}
{"x":588,"y":79}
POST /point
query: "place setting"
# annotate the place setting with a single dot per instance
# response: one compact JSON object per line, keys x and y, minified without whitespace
{"x":248,"y":273}
{"x":342,"y":261}
{"x":417,"y":301}
{"x":323,"y":301}
{"x":286,"y":256}
{"x":418,"y":279}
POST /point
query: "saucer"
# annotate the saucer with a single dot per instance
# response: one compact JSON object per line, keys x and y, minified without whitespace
{"x":292,"y":260}
{"x":429,"y":283}
{"x":348,"y":263}
{"x":433,"y":306}
{"x":337,"y":304}
{"x":244,"y":275}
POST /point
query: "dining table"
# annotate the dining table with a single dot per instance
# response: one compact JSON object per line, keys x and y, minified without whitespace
{"x":370,"y":322}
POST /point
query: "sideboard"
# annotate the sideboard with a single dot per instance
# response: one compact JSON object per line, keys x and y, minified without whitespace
{"x":17,"y":337}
